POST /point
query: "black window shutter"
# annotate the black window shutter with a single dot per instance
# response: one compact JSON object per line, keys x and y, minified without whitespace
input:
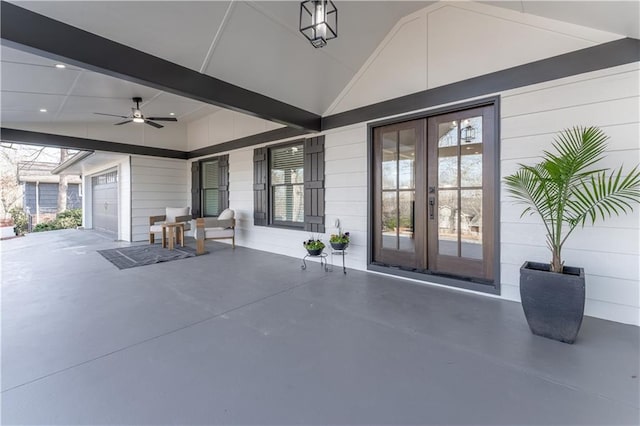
{"x":260,"y":200}
{"x":223,"y":182}
{"x":314,"y":184}
{"x":195,"y":189}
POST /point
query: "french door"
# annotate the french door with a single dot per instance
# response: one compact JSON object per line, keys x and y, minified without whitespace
{"x":434,"y":192}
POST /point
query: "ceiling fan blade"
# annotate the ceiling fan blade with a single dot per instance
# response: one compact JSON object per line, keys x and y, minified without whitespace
{"x":111,"y":115}
{"x":162,"y":118}
{"x":151,"y":123}
{"x":123,"y":122}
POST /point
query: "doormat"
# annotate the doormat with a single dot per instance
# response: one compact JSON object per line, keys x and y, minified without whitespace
{"x":130,"y":257}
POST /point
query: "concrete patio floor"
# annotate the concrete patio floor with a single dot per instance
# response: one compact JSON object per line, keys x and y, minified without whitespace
{"x":247,"y":337}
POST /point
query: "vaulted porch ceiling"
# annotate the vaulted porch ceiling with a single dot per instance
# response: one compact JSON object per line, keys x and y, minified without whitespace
{"x":253,"y":45}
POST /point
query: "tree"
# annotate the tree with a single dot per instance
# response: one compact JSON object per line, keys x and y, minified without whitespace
{"x":10,"y":190}
{"x":10,"y":193}
{"x":63,"y":183}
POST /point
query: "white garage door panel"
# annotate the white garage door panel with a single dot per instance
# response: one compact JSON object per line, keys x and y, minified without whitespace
{"x":105,"y":202}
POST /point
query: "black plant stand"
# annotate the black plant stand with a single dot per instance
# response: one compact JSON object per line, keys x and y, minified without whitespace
{"x":340,"y":252}
{"x":323,"y":261}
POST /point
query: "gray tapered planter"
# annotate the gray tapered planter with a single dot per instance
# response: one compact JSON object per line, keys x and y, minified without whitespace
{"x":553,"y":303}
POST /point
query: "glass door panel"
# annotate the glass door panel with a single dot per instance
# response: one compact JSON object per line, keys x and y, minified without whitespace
{"x":457,"y":171}
{"x":448,"y":219}
{"x":396,"y":148}
{"x":389,"y":220}
{"x":471,"y":223}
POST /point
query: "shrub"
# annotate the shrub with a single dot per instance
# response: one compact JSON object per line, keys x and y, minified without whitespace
{"x":19,"y":220}
{"x":68,"y":219}
{"x":46,"y":226}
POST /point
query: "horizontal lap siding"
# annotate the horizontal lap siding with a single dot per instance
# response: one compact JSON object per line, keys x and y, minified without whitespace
{"x":609,"y":251}
{"x":346,"y":190}
{"x":155,"y":185}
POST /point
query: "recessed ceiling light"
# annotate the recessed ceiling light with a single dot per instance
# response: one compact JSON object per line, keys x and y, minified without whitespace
{"x":43,"y":110}
{"x":61,"y":66}
{"x":172,"y":113}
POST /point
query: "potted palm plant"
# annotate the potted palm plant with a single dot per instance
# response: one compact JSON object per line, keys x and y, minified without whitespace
{"x":566,"y":190}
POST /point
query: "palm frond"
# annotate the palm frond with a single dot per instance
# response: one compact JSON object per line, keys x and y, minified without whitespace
{"x":578,"y":149}
{"x":604,"y":196}
{"x":532,"y":187}
{"x":566,"y":189}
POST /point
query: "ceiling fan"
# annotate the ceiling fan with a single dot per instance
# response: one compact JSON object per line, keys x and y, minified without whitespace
{"x":136,"y":116}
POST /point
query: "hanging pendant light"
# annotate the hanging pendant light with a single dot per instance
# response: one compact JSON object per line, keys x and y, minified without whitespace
{"x":318,"y":21}
{"x":468,"y":133}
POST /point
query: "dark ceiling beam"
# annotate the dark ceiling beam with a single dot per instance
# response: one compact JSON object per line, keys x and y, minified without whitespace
{"x":244,"y":142}
{"x":70,"y":142}
{"x":29,"y":137}
{"x":34,"y":33}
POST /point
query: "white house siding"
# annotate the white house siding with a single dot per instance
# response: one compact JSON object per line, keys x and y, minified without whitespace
{"x":224,"y":125}
{"x":530,"y":116}
{"x":345,"y":198}
{"x":609,"y":251}
{"x":156,"y":183}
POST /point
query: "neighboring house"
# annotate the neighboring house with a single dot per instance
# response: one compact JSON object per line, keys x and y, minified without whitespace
{"x":40,"y":190}
{"x":454,"y":88}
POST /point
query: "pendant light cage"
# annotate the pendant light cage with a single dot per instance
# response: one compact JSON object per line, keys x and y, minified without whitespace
{"x":468,"y":133}
{"x":319,"y":21}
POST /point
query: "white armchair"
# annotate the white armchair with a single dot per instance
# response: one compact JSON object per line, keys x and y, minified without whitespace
{"x":172,"y":215}
{"x":215,"y":228}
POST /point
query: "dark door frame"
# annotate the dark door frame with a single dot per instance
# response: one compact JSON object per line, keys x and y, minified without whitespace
{"x":469,"y":284}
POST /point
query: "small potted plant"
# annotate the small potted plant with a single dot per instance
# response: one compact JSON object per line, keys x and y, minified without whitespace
{"x":314,"y":246}
{"x":339,"y":241}
{"x":566,"y":190}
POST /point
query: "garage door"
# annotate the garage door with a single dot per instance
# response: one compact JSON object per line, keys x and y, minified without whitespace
{"x":105,"y":202}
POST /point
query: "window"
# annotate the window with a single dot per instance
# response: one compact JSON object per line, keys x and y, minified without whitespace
{"x":110,"y":177}
{"x":288,"y":185}
{"x":210,"y":181}
{"x":209,"y":186}
{"x":286,"y":169}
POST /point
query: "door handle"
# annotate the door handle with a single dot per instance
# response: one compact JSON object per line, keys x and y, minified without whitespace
{"x":432,"y":202}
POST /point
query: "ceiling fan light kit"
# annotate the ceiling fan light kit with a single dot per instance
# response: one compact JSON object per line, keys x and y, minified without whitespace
{"x":138,"y":117}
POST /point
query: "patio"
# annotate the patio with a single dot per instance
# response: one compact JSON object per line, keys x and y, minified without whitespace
{"x":246,"y":337}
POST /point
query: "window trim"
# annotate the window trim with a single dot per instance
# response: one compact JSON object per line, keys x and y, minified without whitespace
{"x":270,"y":197}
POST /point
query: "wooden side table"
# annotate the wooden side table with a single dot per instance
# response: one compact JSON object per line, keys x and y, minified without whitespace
{"x":168,"y":231}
